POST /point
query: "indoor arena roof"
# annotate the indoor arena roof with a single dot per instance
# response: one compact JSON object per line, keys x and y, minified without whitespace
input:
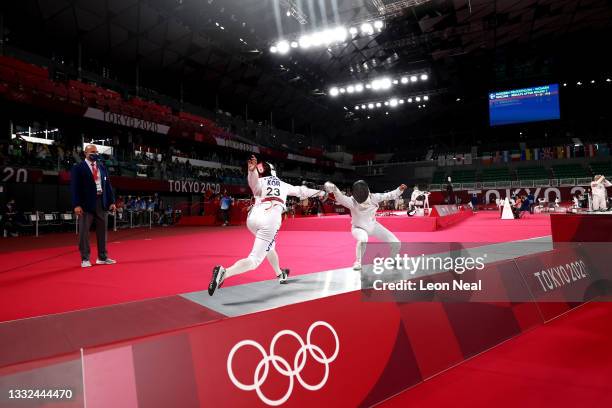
{"x":222,"y":47}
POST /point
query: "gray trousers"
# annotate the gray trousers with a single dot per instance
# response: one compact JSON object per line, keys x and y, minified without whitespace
{"x":85,"y":222}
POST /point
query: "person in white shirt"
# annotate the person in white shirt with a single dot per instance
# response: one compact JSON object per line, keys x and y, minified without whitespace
{"x":363,"y":206}
{"x":599,"y":193}
{"x":264,"y":221}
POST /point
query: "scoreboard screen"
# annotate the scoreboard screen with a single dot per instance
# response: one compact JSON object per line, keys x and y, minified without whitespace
{"x":524,"y":105}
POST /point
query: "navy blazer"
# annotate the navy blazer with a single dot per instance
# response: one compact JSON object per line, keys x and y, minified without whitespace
{"x":83,"y":187}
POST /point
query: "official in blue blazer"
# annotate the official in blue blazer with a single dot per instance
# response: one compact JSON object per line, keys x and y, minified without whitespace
{"x":92,"y":197}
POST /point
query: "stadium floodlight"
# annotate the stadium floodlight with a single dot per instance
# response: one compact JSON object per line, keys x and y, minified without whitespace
{"x":418,"y":99}
{"x":413,"y":78}
{"x":368,"y":86}
{"x":401,"y":101}
{"x":350,"y":89}
{"x":378,"y":105}
{"x":386,"y":103}
{"x":282,"y":47}
{"x":608,"y":80}
{"x":378,"y":25}
{"x":393,"y":103}
{"x":353,"y":31}
{"x":424,"y":77}
{"x":294,"y":44}
{"x":404,"y":80}
{"x":363,"y":106}
{"x":409,"y":100}
{"x":367,"y":29}
{"x":356,"y":107}
{"x":370,"y":106}
{"x":340,"y":34}
{"x":375,"y":84}
{"x":359,"y":88}
{"x":385,"y":83}
{"x":426,"y":98}
{"x":288,"y":13}
{"x":273,"y":49}
{"x":333,"y":91}
{"x":395,"y":82}
{"x":342,"y":90}
{"x":305,"y":41}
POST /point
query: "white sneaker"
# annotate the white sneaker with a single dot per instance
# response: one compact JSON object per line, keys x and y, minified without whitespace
{"x":357,"y":266}
{"x":85,"y":264}
{"x":282,"y":278}
{"x":106,"y":261}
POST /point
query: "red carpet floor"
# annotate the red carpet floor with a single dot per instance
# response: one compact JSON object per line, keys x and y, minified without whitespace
{"x":565,"y":363}
{"x":40,"y":276}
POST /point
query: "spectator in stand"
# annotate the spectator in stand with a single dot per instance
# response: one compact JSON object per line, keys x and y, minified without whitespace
{"x":92,"y":196}
{"x":226,"y":206}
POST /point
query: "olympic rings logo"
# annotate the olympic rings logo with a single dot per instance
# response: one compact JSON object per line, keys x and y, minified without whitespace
{"x":282,"y":366}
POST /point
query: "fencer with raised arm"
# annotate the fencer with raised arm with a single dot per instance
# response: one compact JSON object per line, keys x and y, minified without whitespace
{"x":363,"y":206}
{"x":264,"y":221}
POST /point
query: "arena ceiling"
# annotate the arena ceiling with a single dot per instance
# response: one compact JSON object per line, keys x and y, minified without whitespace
{"x":217,"y":51}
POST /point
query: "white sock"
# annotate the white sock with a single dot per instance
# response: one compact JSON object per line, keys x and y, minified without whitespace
{"x":241,"y":266}
{"x":273,"y":259}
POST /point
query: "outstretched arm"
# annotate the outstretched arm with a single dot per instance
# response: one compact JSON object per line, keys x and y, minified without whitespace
{"x":391,"y":195}
{"x":302,"y":192}
{"x":339,"y":196}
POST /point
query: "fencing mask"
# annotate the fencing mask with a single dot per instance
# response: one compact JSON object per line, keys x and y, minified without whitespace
{"x":361,"y":192}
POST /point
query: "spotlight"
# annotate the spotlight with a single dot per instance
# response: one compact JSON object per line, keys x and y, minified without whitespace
{"x":565,"y":84}
{"x":333,"y":91}
{"x":593,"y":81}
{"x":418,"y":99}
{"x":385,"y":83}
{"x":350,"y":89}
{"x":358,"y":88}
{"x":375,"y":84}
{"x":221,"y":27}
{"x":340,"y":34}
{"x":294,"y":44}
{"x":386,"y":103}
{"x":342,"y":90}
{"x":368,"y":117}
{"x":608,"y":80}
{"x":353,"y":31}
{"x":368,"y":86}
{"x":217,"y":24}
{"x":395,"y":82}
{"x":283,"y":47}
{"x":288,"y":13}
{"x":409,"y":100}
{"x":378,"y":104}
{"x":393,"y":103}
{"x":426,"y":98}
{"x":305,"y":41}
{"x":424,"y":77}
{"x":363,"y":106}
{"x":579,"y":83}
{"x":366,"y":28}
{"x":413,"y":78}
{"x":386,"y":113}
{"x":401,"y":101}
{"x":404,"y":80}
{"x":356,"y":107}
{"x":458,"y":99}
{"x":378,"y":24}
{"x":370,"y":106}
{"x":273,"y":49}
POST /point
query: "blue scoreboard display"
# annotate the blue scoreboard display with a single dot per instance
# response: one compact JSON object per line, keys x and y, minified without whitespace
{"x":524,"y":105}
